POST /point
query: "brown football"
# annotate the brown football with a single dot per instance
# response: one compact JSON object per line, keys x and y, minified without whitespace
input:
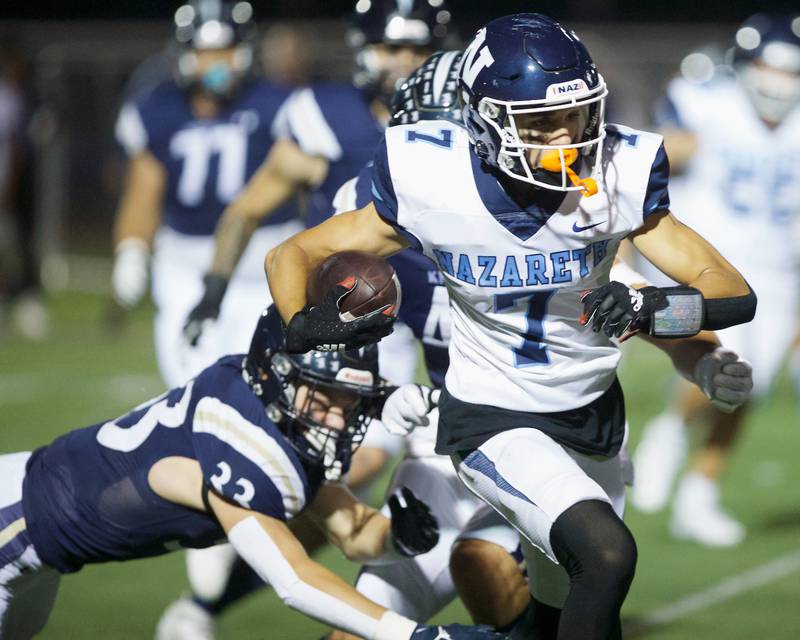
{"x":376,"y":283}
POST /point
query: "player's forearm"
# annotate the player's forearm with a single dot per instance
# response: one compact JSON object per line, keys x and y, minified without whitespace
{"x":314,"y":590}
{"x":230,"y":241}
{"x":685,"y":353}
{"x":136,"y":219}
{"x":287,"y":267}
{"x":371,"y":542}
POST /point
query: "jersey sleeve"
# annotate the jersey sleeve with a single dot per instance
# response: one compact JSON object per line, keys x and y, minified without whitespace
{"x":656,"y":196}
{"x":130,"y":130}
{"x":384,"y":196}
{"x":302,"y":119}
{"x":355,"y":193}
{"x":244,"y":462}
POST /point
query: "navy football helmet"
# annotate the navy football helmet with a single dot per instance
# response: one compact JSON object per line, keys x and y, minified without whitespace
{"x":529,"y":64}
{"x":766,"y":57}
{"x":396,"y":23}
{"x":431,"y":92}
{"x":203,"y":25}
{"x":346,"y":379}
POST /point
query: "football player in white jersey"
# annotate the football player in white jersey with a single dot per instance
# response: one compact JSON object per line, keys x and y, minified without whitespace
{"x":523,"y":212}
{"x":735,"y":134}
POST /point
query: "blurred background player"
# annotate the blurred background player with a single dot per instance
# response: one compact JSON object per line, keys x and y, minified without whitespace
{"x":328,"y":131}
{"x":193,"y":141}
{"x":21,"y":296}
{"x":734,"y":133}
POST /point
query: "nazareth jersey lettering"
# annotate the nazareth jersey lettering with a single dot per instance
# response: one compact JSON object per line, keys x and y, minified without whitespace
{"x":207,"y":160}
{"x":334,"y":121}
{"x":514,"y":277}
{"x":86,"y":496}
{"x":741,"y":188}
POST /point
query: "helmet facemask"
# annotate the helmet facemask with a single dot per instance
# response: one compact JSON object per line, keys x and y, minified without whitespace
{"x":324,"y":421}
{"x":554,"y":170}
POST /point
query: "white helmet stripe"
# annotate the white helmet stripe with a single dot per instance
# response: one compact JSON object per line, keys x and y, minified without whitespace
{"x":442,"y":73}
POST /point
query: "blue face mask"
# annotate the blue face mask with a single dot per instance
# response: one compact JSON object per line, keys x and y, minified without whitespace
{"x":218,"y":79}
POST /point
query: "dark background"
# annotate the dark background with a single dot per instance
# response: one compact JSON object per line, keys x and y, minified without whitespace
{"x":478,"y":10}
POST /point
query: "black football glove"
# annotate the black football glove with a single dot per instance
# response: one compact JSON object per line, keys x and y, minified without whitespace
{"x":207,"y":310}
{"x":616,"y":309}
{"x":321,"y":327}
{"x":456,"y":632}
{"x":414,"y":528}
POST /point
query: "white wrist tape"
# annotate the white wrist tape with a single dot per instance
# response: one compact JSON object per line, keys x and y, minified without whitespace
{"x":393,"y":626}
{"x":262,"y":554}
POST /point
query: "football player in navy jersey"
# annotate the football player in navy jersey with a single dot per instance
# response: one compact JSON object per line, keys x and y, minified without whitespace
{"x":193,"y":141}
{"x":523,"y":213}
{"x":329,"y":131}
{"x":237,"y":452}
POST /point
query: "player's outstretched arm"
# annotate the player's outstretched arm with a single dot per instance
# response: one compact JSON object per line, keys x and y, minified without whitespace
{"x":271,"y":549}
{"x":137,"y":220}
{"x":687,"y":257}
{"x":283,"y":173}
{"x":726,"y":379}
{"x":713,"y":294}
{"x":365,"y":535}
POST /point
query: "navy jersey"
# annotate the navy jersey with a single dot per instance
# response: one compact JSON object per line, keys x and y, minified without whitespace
{"x":208,"y":161}
{"x":425,"y":305}
{"x":332,"y":120}
{"x":86,"y":497}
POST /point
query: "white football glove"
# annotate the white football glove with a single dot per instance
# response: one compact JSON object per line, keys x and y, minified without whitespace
{"x":129,"y":278}
{"x":725,"y":378}
{"x":408,"y":408}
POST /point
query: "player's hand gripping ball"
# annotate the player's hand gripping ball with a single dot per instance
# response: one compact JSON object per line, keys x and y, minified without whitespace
{"x":616,"y":309}
{"x":353,"y":298}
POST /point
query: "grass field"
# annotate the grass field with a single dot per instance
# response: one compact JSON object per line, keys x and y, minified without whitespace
{"x":84,"y":373}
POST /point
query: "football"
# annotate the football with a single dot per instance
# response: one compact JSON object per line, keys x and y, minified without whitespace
{"x":376,"y":283}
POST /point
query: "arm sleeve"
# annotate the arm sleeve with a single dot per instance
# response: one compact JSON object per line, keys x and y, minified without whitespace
{"x":657,"y":194}
{"x":262,"y":554}
{"x":384,"y":197}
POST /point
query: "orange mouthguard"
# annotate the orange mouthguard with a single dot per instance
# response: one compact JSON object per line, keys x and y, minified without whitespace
{"x":551,"y":161}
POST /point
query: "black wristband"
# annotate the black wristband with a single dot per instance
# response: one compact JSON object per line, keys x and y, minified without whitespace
{"x":722,"y":313}
{"x":215,"y":287}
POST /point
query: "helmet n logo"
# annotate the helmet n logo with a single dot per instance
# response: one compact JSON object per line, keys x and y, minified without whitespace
{"x":474,"y":62}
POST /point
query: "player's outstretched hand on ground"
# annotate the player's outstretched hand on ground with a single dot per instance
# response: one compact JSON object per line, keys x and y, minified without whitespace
{"x":321,"y":327}
{"x":207,"y":310}
{"x":456,"y":632}
{"x":725,"y":378}
{"x":408,"y":408}
{"x":414,"y":528}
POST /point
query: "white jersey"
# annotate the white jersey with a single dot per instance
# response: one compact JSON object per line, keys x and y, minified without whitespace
{"x":515,"y":278}
{"x":741,"y":188}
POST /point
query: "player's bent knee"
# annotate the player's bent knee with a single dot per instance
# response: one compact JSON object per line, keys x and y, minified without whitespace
{"x":595,"y":546}
{"x":489,"y":581}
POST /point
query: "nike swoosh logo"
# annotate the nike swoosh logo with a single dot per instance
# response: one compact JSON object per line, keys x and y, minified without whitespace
{"x":578,"y":229}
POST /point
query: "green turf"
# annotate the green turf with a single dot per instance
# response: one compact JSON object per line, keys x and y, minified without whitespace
{"x":86,"y":372}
